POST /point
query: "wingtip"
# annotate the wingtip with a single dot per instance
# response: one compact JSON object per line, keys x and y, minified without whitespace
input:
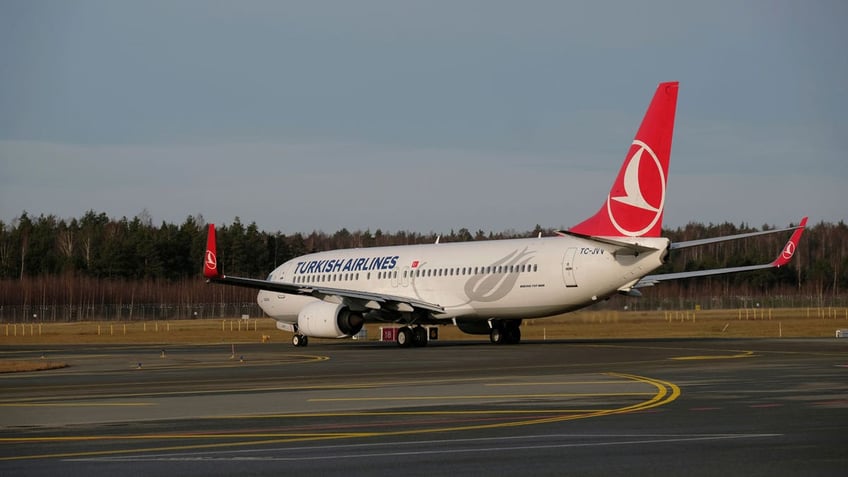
{"x":791,"y":246}
{"x":210,"y":258}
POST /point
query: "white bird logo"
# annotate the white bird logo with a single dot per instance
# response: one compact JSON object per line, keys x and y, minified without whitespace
{"x":211,"y":261}
{"x":633,"y":195}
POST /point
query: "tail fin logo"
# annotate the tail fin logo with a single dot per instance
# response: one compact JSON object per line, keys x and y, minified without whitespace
{"x":211,"y":260}
{"x":635,"y":203}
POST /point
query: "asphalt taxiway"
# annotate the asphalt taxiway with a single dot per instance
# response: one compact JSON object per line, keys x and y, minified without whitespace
{"x":635,"y":407}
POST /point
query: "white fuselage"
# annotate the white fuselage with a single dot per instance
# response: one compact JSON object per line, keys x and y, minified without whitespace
{"x":503,"y":279}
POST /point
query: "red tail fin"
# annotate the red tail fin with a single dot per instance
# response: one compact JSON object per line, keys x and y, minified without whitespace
{"x":210,"y":260}
{"x":634,"y":206}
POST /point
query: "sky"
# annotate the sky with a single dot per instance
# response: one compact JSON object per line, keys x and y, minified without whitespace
{"x":420,"y":116}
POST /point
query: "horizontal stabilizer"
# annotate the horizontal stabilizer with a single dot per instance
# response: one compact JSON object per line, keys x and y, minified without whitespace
{"x":707,"y":241}
{"x":782,"y":259}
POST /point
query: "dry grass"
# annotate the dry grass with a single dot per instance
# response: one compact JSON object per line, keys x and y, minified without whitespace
{"x":16,"y":366}
{"x":774,"y":323}
{"x":771,"y":323}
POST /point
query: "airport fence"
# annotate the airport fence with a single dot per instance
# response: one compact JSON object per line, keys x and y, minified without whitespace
{"x":722,"y":302}
{"x":125,"y":312}
{"x":159,"y":311}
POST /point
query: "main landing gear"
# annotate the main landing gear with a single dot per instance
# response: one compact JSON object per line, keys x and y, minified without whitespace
{"x":412,"y":336}
{"x":505,"y":332}
{"x":300,"y":340}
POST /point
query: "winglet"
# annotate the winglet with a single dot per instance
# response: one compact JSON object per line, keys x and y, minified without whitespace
{"x":790,"y":247}
{"x":210,"y":260}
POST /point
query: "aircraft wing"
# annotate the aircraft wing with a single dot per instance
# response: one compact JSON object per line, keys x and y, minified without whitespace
{"x":781,"y":260}
{"x":363,"y":299}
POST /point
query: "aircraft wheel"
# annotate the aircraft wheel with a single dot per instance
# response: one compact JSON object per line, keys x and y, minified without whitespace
{"x":299,"y":340}
{"x":419,"y":336}
{"x":512,"y":335}
{"x":404,"y":337}
{"x":496,"y":336}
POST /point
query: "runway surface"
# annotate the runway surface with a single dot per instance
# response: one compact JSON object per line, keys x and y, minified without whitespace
{"x":634,"y":407}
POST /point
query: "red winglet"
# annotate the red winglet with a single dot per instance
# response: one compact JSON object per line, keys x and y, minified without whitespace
{"x":210,"y":260}
{"x":790,"y":247}
{"x":635,"y":204}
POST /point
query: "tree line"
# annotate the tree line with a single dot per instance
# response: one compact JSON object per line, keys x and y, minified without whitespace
{"x":100,"y":259}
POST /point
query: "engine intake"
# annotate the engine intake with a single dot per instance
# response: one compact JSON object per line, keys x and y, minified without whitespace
{"x":328,"y":320}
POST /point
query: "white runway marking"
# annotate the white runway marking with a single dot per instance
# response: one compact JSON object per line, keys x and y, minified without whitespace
{"x":456,"y":446}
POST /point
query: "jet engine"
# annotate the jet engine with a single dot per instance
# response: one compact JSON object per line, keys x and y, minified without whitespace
{"x":328,"y":320}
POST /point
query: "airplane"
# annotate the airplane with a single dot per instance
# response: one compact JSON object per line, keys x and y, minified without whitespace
{"x":489,"y":287}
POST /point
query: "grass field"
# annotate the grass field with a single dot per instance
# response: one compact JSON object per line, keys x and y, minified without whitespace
{"x":744,"y":323}
{"x":766,"y":323}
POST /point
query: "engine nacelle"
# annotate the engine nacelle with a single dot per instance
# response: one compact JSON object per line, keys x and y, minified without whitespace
{"x":328,"y":320}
